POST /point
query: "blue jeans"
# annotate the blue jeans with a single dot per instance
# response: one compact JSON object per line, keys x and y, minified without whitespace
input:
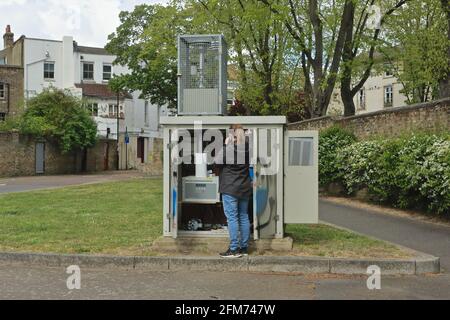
{"x":236,"y":211}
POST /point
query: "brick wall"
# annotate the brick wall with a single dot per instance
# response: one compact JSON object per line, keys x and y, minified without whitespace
{"x":154,"y":162}
{"x":154,"y":165}
{"x":103,"y":156}
{"x":432,"y":117}
{"x":12,"y":78}
{"x":18,"y":157}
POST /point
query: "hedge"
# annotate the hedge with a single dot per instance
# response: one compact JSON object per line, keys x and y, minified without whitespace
{"x":410,"y":172}
{"x":331,"y":142}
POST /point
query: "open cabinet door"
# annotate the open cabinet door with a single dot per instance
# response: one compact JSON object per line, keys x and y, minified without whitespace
{"x":301,"y":180}
{"x":171,"y":186}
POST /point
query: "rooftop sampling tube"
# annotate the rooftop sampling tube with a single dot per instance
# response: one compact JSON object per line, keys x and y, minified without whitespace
{"x":201,"y":158}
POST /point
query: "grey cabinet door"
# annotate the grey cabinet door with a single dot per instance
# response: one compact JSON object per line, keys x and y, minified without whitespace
{"x":301,"y":180}
{"x":40,"y":157}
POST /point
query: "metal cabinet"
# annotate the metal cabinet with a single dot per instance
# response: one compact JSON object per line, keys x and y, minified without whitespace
{"x":285,"y":166}
{"x":301,"y":183}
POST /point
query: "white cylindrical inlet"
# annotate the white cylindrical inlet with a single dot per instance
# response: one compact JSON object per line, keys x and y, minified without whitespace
{"x":201,"y":165}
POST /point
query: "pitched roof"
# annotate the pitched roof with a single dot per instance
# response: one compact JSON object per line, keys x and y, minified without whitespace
{"x":100,"y":91}
{"x":91,"y":50}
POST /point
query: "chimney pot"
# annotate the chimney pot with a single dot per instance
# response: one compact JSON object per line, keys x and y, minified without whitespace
{"x":8,"y":37}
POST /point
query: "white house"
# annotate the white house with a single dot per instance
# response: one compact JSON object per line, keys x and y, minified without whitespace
{"x":85,"y":71}
{"x":381,"y":90}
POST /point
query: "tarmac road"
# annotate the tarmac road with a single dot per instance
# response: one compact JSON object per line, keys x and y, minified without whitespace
{"x":421,"y":236}
{"x":50,"y":283}
{"x":22,"y":184}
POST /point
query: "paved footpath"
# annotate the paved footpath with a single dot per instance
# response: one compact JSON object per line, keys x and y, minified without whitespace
{"x":421,"y":236}
{"x":22,"y":184}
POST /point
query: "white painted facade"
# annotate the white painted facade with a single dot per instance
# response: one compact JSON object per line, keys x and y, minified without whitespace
{"x":374,"y":96}
{"x":68,"y":71}
{"x":137,"y":117}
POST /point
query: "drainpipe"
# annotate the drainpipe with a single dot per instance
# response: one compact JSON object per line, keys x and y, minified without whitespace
{"x":9,"y":98}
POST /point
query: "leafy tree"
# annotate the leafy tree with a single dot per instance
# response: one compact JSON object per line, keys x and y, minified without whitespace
{"x":362,"y":40}
{"x":417,"y":48}
{"x":145,"y":42}
{"x":318,"y":29}
{"x":57,"y":114}
{"x":259,"y":47}
{"x":444,"y":87}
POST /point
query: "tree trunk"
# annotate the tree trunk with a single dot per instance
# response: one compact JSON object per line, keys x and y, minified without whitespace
{"x":349,"y":104}
{"x":347,"y":59}
{"x":322,"y":97}
{"x":444,"y":90}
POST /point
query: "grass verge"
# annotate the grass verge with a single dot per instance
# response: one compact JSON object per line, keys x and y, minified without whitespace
{"x":124,"y":218}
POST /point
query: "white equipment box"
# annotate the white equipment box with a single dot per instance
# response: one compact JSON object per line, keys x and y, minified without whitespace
{"x":201,"y":190}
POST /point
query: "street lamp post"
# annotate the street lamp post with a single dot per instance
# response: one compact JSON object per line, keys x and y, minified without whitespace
{"x":118,"y":129}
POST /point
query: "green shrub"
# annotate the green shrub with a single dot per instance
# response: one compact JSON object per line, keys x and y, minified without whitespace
{"x":331,"y":141}
{"x":359,"y":166}
{"x":58,"y":115}
{"x":9,"y":124}
{"x":423,"y":173}
{"x":408,"y":172}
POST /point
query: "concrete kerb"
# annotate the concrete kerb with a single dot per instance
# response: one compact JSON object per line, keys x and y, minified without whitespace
{"x":423,"y":263}
{"x":305,"y":265}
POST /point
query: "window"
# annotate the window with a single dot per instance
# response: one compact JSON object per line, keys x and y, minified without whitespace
{"x":146,"y":114}
{"x":107,"y":72}
{"x":388,"y":96}
{"x":388,"y":70}
{"x":301,"y":151}
{"x":49,"y":70}
{"x":2,"y":91}
{"x":95,"y":110}
{"x":92,"y":108}
{"x":113,"y":110}
{"x":362,"y":99}
{"x":2,"y":116}
{"x":88,"y":71}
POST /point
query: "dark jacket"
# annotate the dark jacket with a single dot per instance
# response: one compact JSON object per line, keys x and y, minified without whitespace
{"x":234,"y":176}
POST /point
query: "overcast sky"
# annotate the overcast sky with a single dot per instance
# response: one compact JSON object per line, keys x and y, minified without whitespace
{"x":88,"y":21}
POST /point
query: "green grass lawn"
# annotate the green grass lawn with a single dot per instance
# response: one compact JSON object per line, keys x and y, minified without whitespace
{"x":124,"y":218}
{"x":115,"y":218}
{"x":326,"y":241}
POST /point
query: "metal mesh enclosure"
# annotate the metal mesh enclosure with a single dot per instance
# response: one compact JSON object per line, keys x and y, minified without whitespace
{"x":202,"y":74}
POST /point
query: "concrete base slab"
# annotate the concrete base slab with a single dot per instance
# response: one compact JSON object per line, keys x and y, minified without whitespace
{"x":215,"y":245}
